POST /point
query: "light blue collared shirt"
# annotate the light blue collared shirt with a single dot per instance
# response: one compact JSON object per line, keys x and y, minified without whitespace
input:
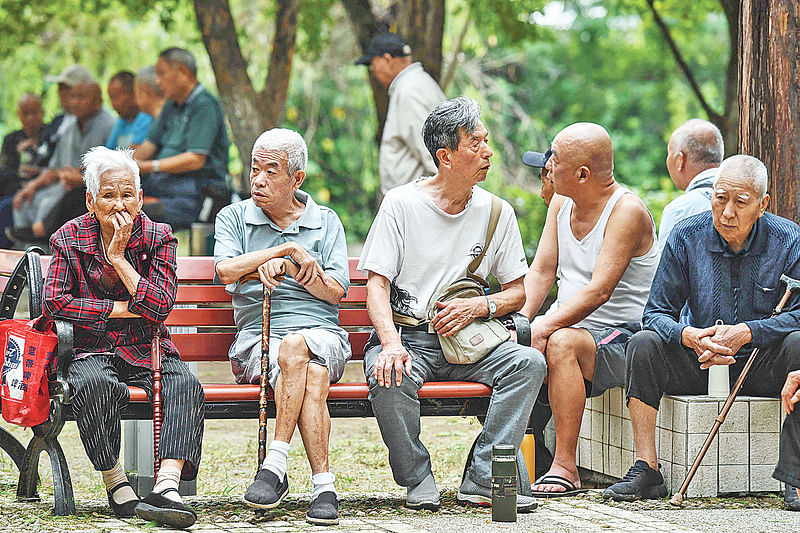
{"x":243,"y":227}
{"x":696,"y":199}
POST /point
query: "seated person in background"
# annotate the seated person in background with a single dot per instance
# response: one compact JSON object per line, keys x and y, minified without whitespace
{"x":424,"y":236}
{"x":69,"y":76}
{"x":788,"y":468}
{"x":116,"y":307}
{"x":719,"y":267}
{"x":88,"y":126}
{"x":600,"y":238}
{"x":187,"y":145}
{"x":149,"y":96}
{"x":19,"y":153}
{"x":132,"y":124}
{"x":281,"y":231}
{"x":694,"y":153}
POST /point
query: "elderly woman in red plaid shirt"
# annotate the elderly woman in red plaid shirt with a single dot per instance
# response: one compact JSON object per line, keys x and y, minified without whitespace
{"x":112,"y":275}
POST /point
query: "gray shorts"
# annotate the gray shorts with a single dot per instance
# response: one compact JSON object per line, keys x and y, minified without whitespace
{"x":329,"y":347}
{"x":609,"y":366}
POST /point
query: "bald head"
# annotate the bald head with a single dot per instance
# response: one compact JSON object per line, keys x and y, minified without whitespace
{"x":30,"y":113}
{"x":585,"y":144}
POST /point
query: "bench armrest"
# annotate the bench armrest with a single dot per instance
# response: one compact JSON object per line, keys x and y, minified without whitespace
{"x":59,"y":388}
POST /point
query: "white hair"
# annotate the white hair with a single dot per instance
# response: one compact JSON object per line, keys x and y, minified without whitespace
{"x":287,"y":141}
{"x":745,"y":168}
{"x":99,"y":160}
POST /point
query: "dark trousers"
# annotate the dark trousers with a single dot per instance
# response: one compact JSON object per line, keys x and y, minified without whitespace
{"x":100,"y":383}
{"x":654,"y":369}
{"x":788,"y":468}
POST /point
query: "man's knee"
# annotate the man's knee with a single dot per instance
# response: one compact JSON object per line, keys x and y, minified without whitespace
{"x":293,"y":352}
{"x":643,"y":346}
{"x":792,"y":344}
{"x":317,"y":382}
{"x":530,"y":363}
{"x":564,"y":345}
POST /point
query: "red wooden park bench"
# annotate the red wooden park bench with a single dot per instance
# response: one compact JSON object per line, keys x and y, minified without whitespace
{"x":205,"y":306}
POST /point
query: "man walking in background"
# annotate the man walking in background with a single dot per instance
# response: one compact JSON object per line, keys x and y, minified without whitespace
{"x":412,"y":95}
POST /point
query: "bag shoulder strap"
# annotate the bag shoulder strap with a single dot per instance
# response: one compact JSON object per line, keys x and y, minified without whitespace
{"x":494,"y":216}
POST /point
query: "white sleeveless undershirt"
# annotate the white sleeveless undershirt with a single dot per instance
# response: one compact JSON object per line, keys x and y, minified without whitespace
{"x":576,"y":260}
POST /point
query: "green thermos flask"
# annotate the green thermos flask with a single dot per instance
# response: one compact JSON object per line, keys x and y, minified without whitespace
{"x":504,"y":483}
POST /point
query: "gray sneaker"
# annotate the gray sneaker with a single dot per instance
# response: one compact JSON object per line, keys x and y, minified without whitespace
{"x":424,"y":495}
{"x":790,"y":500}
{"x":471,"y":493}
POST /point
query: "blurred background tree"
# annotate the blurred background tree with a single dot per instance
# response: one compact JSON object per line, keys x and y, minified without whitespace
{"x":535,"y":66}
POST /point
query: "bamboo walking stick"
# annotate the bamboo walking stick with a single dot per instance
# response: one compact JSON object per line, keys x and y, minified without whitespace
{"x":262,"y":395}
{"x":677,"y":499}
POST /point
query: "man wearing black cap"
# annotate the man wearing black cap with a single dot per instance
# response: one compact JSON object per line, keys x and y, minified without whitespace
{"x":539,"y":160}
{"x":412,"y":95}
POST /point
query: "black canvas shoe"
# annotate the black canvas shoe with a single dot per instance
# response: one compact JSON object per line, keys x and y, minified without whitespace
{"x":122,"y":510}
{"x":324,"y":510}
{"x":640,"y":483}
{"x":790,"y":500}
{"x":267,"y":491}
{"x":157,"y":508}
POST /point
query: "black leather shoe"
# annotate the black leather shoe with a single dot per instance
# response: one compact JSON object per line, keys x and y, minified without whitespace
{"x":267,"y":491}
{"x":790,"y":500}
{"x":324,"y":510}
{"x":122,"y":510}
{"x":155,"y":507}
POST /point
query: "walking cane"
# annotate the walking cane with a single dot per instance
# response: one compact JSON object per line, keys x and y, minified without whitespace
{"x":155,"y":358}
{"x":677,"y":499}
{"x":266,"y":304}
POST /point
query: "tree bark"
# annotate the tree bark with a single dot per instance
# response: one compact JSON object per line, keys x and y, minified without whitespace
{"x":769,"y":99}
{"x":421,"y":23}
{"x":249,"y":112}
{"x":726,"y":121}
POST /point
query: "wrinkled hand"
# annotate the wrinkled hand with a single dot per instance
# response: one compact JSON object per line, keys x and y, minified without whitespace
{"x":270,"y":273}
{"x":24,"y":195}
{"x":732,"y":336}
{"x":309,"y":268}
{"x":456,"y":314}
{"x":27,"y":171}
{"x":701,"y":341}
{"x":538,"y":338}
{"x":790,"y":394}
{"x":392,"y":357}
{"x":70,"y":178}
{"x":123,"y":226}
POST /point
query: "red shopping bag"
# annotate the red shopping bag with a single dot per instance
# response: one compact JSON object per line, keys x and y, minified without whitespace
{"x":27,"y":353}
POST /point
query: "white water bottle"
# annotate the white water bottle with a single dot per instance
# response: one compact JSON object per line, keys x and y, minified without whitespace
{"x":719,"y":384}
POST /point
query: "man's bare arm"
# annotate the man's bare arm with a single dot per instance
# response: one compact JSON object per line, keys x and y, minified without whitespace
{"x":145,"y":151}
{"x":542,"y":274}
{"x":184,"y":162}
{"x":628,"y":234}
{"x":231,"y":269}
{"x":393,"y":355}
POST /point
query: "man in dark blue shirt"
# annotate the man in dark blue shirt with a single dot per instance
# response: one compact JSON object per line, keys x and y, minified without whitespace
{"x":724,"y":266}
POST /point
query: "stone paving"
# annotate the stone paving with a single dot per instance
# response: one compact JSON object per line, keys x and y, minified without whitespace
{"x":384,"y":513}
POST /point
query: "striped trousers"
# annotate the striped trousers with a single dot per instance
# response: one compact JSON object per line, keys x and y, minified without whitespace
{"x":100,"y":390}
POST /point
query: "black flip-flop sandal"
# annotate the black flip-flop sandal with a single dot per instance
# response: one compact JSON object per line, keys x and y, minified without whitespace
{"x":552,"y":479}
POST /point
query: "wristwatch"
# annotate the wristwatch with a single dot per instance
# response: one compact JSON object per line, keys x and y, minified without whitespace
{"x":492,"y":306}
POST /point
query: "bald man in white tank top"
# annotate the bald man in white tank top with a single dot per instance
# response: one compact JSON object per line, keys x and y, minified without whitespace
{"x":601,"y":238}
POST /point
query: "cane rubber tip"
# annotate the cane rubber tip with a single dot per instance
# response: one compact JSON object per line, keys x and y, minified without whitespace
{"x":677,"y":500}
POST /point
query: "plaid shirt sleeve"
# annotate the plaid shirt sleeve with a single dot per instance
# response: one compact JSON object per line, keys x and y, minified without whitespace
{"x":60,"y":287}
{"x":157,"y":288}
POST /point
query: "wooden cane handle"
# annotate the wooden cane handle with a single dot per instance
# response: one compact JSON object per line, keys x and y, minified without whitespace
{"x":253,"y":276}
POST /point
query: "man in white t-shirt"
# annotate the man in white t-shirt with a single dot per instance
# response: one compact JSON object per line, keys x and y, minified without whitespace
{"x":425,"y":235}
{"x":600,"y":240}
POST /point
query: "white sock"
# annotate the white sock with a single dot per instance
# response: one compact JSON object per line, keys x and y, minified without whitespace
{"x":112,"y":478}
{"x":323,"y":482}
{"x":276,"y":458}
{"x":168,"y":478}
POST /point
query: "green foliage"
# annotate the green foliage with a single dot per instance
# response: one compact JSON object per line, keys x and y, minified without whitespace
{"x":601,"y":61}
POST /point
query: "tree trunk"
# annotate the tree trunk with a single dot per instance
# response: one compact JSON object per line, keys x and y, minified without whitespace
{"x":769,"y":101}
{"x":730,"y":112}
{"x":365,"y":26}
{"x":421,"y":23}
{"x":249,"y":113}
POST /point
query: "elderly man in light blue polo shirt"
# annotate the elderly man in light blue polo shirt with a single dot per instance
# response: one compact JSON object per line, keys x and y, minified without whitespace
{"x":300,"y":253}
